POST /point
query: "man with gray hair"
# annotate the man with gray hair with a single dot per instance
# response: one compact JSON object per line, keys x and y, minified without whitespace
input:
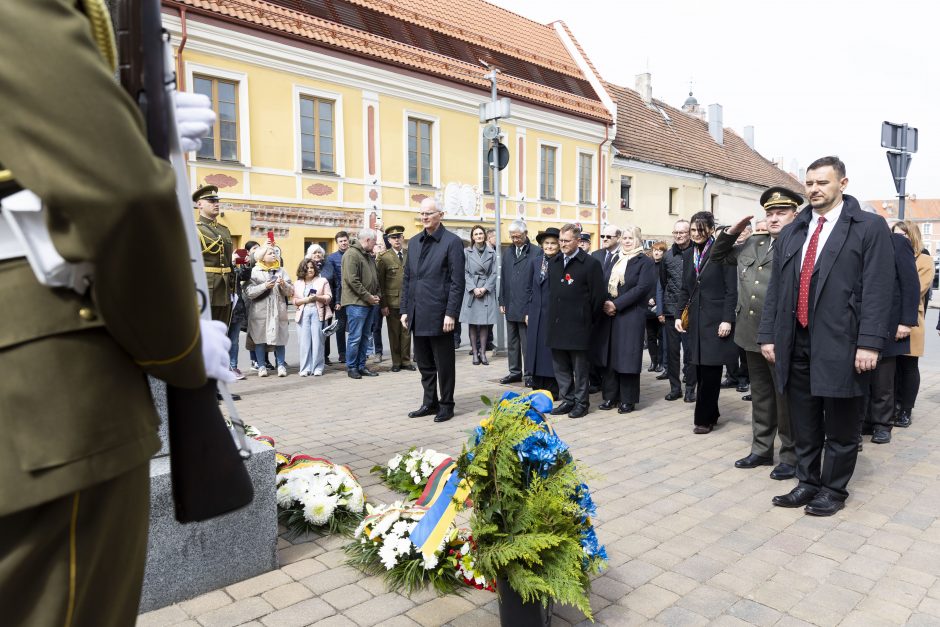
{"x":359,"y":296}
{"x":514,"y":298}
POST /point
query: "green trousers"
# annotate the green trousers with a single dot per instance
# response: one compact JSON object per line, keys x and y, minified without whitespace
{"x":78,"y":560}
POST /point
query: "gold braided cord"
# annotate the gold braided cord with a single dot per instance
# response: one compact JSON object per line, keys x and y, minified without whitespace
{"x":213,"y":247}
{"x":102,"y":30}
{"x":5,"y":175}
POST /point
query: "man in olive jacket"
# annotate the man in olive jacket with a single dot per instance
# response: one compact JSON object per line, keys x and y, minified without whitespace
{"x":825,"y":322}
{"x":360,"y":294}
{"x":78,"y":423}
{"x":770,"y":413}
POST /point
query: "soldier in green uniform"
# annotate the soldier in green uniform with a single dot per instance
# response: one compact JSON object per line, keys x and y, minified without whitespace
{"x":77,"y":420}
{"x":217,"y":250}
{"x":391,"y":269}
{"x":770,"y":414}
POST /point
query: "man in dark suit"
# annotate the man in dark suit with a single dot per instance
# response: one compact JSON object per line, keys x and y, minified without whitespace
{"x":905,"y":302}
{"x":514,"y":298}
{"x":824,"y":324}
{"x":431,"y":296}
{"x":576,"y":295}
{"x":607,"y":256}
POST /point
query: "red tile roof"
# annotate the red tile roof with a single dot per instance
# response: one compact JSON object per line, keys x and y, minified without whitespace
{"x":445,"y":38}
{"x":663,"y":135}
{"x":916,"y":209}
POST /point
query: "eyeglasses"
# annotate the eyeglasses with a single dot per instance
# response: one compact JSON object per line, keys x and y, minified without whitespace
{"x":565,"y":241}
{"x":680,"y":232}
{"x":608,"y":236}
{"x":428,"y":214}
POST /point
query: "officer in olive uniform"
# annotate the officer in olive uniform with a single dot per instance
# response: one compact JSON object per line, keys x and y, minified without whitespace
{"x":754,"y":259}
{"x":217,"y":251}
{"x":391,"y":269}
{"x":77,"y":421}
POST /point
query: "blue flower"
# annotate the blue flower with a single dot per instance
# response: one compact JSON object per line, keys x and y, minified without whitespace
{"x":582,"y":496}
{"x":541,"y":450}
{"x":590,"y":544}
{"x":478,"y":434}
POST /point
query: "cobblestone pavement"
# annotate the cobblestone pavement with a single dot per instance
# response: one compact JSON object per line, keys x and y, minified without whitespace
{"x":692,"y":540}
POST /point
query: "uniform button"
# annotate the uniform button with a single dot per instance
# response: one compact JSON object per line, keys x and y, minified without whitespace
{"x":753,"y":296}
{"x":751,"y":311}
{"x":87,"y":313}
{"x":760,"y":267}
{"x":756,"y":282}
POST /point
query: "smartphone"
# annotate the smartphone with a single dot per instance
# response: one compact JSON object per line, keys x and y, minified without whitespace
{"x":311,"y":292}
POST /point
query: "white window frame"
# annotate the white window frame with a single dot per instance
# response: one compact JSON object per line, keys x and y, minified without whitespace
{"x":558,"y":159}
{"x":592,"y":202}
{"x":926,"y":229}
{"x":435,"y":147}
{"x":244,"y":123}
{"x":339,"y":139}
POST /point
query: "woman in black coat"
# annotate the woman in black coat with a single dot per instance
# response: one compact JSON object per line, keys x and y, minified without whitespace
{"x":618,"y":335}
{"x":538,"y":354}
{"x":711,"y":290}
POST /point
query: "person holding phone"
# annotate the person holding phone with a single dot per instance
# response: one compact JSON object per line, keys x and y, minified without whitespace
{"x":267,"y":321}
{"x":312,"y":296}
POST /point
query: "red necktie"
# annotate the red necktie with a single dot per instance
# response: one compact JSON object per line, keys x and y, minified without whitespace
{"x":806,"y":275}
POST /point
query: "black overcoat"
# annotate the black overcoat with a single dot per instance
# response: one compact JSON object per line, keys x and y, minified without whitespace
{"x":538,"y":355}
{"x":905,"y":302}
{"x":618,"y":340}
{"x":851,"y":304}
{"x":712,"y":303}
{"x":576,"y":295}
{"x":514,"y":282}
{"x":434,"y":282}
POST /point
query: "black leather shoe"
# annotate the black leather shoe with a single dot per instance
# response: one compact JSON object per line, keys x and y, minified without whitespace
{"x":327,"y":361}
{"x":859,"y":447}
{"x":881,"y":436}
{"x":578,"y":412}
{"x":367,"y":373}
{"x":753,"y":461}
{"x":511,"y":378}
{"x":424,"y":410}
{"x":663,"y":376}
{"x":396,"y":368}
{"x":673,"y":396}
{"x":690,"y":394}
{"x":904,"y":419}
{"x":444,"y":415}
{"x":743,"y":387}
{"x":410,"y":367}
{"x":746,"y":397}
{"x":564,"y":408}
{"x":824,"y":505}
{"x":607,"y":405}
{"x":783,"y":471}
{"x":797,"y":497}
{"x":353,"y":374}
{"x":652,"y":367}
{"x":528,"y":382}
{"x":625,"y":408}
{"x":728,"y":382}
{"x":342,"y":359}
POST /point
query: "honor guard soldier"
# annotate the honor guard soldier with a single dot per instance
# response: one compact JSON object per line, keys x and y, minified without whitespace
{"x":391,"y":269}
{"x":217,"y":249}
{"x":78,"y":423}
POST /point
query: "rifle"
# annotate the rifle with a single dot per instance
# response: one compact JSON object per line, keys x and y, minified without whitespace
{"x":208,"y":474}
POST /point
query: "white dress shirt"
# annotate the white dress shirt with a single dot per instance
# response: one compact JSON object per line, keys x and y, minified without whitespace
{"x":831,"y":218}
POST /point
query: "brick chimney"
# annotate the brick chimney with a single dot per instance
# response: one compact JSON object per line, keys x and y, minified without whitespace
{"x":716,"y":126}
{"x":644,"y":86}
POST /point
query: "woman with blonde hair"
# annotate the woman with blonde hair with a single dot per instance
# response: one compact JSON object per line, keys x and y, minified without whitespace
{"x":268,"y":289}
{"x":907,"y":378}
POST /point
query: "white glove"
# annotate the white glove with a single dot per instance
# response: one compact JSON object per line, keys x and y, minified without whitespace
{"x":215,"y":346}
{"x":194,"y":119}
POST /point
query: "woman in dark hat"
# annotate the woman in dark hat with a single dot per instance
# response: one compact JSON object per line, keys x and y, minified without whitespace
{"x":538,"y":355}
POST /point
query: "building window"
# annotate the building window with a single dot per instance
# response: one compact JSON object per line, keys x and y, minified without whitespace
{"x":222,"y":142}
{"x":673,"y":200}
{"x":317,"y":135}
{"x":714,"y":204}
{"x":547,"y":167}
{"x":419,"y":152}
{"x":585,"y":168}
{"x":926,"y":228}
{"x":626,"y":183}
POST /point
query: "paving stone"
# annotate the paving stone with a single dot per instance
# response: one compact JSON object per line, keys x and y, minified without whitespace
{"x":288,"y":594}
{"x":440,"y":610}
{"x":346,"y":596}
{"x":307,"y":612}
{"x":617,"y":616}
{"x":887,"y":610}
{"x":699,"y":567}
{"x":754,"y":613}
{"x":777,"y":596}
{"x":298,"y":552}
{"x":707,"y":601}
{"x":206,"y":603}
{"x":331,"y":579}
{"x":336,"y":620}
{"x":610,"y":588}
{"x":257,"y":585}
{"x":303,"y":568}
{"x":680,"y":584}
{"x":236,"y":613}
{"x":680,"y":617}
{"x":379,"y":609}
{"x":163,"y":617}
{"x":649,"y":600}
{"x":476,"y":618}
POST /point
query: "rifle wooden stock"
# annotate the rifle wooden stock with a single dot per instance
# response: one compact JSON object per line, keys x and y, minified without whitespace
{"x":208,"y":475}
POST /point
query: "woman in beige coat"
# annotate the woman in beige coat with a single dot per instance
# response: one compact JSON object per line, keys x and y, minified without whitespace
{"x":907,"y":378}
{"x":268,"y":290}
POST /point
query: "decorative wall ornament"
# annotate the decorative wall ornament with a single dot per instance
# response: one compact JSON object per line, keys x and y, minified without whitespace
{"x":418,"y":197}
{"x":548,"y":211}
{"x":319,"y":189}
{"x":461,"y":199}
{"x":221,"y":180}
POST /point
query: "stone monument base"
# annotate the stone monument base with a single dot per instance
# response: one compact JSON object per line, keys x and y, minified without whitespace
{"x":184,"y":561}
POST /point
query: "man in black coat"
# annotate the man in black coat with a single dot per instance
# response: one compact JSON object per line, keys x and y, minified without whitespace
{"x":905,"y":302}
{"x":514,"y":299}
{"x":431,"y":296}
{"x":576,"y":296}
{"x":671,"y":270}
{"x":824,"y":324}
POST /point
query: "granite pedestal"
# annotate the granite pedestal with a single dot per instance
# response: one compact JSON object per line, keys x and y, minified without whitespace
{"x":184,"y":561}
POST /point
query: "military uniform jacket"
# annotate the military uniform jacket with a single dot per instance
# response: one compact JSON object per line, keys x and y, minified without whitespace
{"x":391,"y":272}
{"x":75,"y":406}
{"x":754,"y":261}
{"x":217,"y":251}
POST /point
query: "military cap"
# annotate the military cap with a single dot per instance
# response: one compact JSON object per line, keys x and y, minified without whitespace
{"x":585,"y":237}
{"x":206,"y":192}
{"x":549,"y":232}
{"x":395,"y":230}
{"x":780,"y":198}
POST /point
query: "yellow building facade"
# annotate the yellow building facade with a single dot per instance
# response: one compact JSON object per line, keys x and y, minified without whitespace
{"x":311,"y":141}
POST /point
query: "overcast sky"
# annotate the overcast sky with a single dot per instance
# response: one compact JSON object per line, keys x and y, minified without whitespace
{"x":813,"y":78}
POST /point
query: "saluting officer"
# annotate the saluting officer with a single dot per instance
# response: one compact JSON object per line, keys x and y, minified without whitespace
{"x":391,"y":269}
{"x":78,"y":423}
{"x":770,"y":414}
{"x":217,"y":248}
